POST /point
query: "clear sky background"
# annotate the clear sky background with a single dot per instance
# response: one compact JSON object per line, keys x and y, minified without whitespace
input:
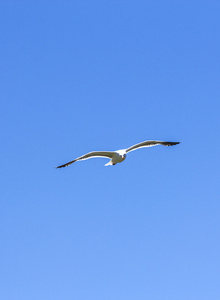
{"x":78,"y":76}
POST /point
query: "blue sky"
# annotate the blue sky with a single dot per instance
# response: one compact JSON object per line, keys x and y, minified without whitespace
{"x":78,"y":76}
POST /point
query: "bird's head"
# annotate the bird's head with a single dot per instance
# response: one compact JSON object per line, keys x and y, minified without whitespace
{"x":122,"y":153}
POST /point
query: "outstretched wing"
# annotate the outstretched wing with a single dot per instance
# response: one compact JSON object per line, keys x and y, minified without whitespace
{"x":150,"y":144}
{"x":108,"y":154}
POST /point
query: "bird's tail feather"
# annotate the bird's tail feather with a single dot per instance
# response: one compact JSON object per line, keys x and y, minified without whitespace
{"x":109,"y":163}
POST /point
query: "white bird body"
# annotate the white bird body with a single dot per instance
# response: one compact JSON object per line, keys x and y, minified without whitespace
{"x":119,"y":155}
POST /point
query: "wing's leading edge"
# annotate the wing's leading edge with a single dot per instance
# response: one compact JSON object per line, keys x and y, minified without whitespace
{"x":150,"y":144}
{"x":108,"y":154}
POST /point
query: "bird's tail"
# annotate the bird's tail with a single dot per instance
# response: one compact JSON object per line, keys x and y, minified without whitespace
{"x":109,"y":163}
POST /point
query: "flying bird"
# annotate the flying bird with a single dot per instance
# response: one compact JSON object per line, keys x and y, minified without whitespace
{"x":119,"y":155}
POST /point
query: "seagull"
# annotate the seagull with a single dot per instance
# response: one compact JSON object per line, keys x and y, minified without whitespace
{"x":119,"y":155}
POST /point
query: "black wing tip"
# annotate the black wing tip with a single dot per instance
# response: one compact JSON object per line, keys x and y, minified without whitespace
{"x":65,"y":165}
{"x":172,"y":143}
{"x":62,"y":166}
{"x":59,"y":167}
